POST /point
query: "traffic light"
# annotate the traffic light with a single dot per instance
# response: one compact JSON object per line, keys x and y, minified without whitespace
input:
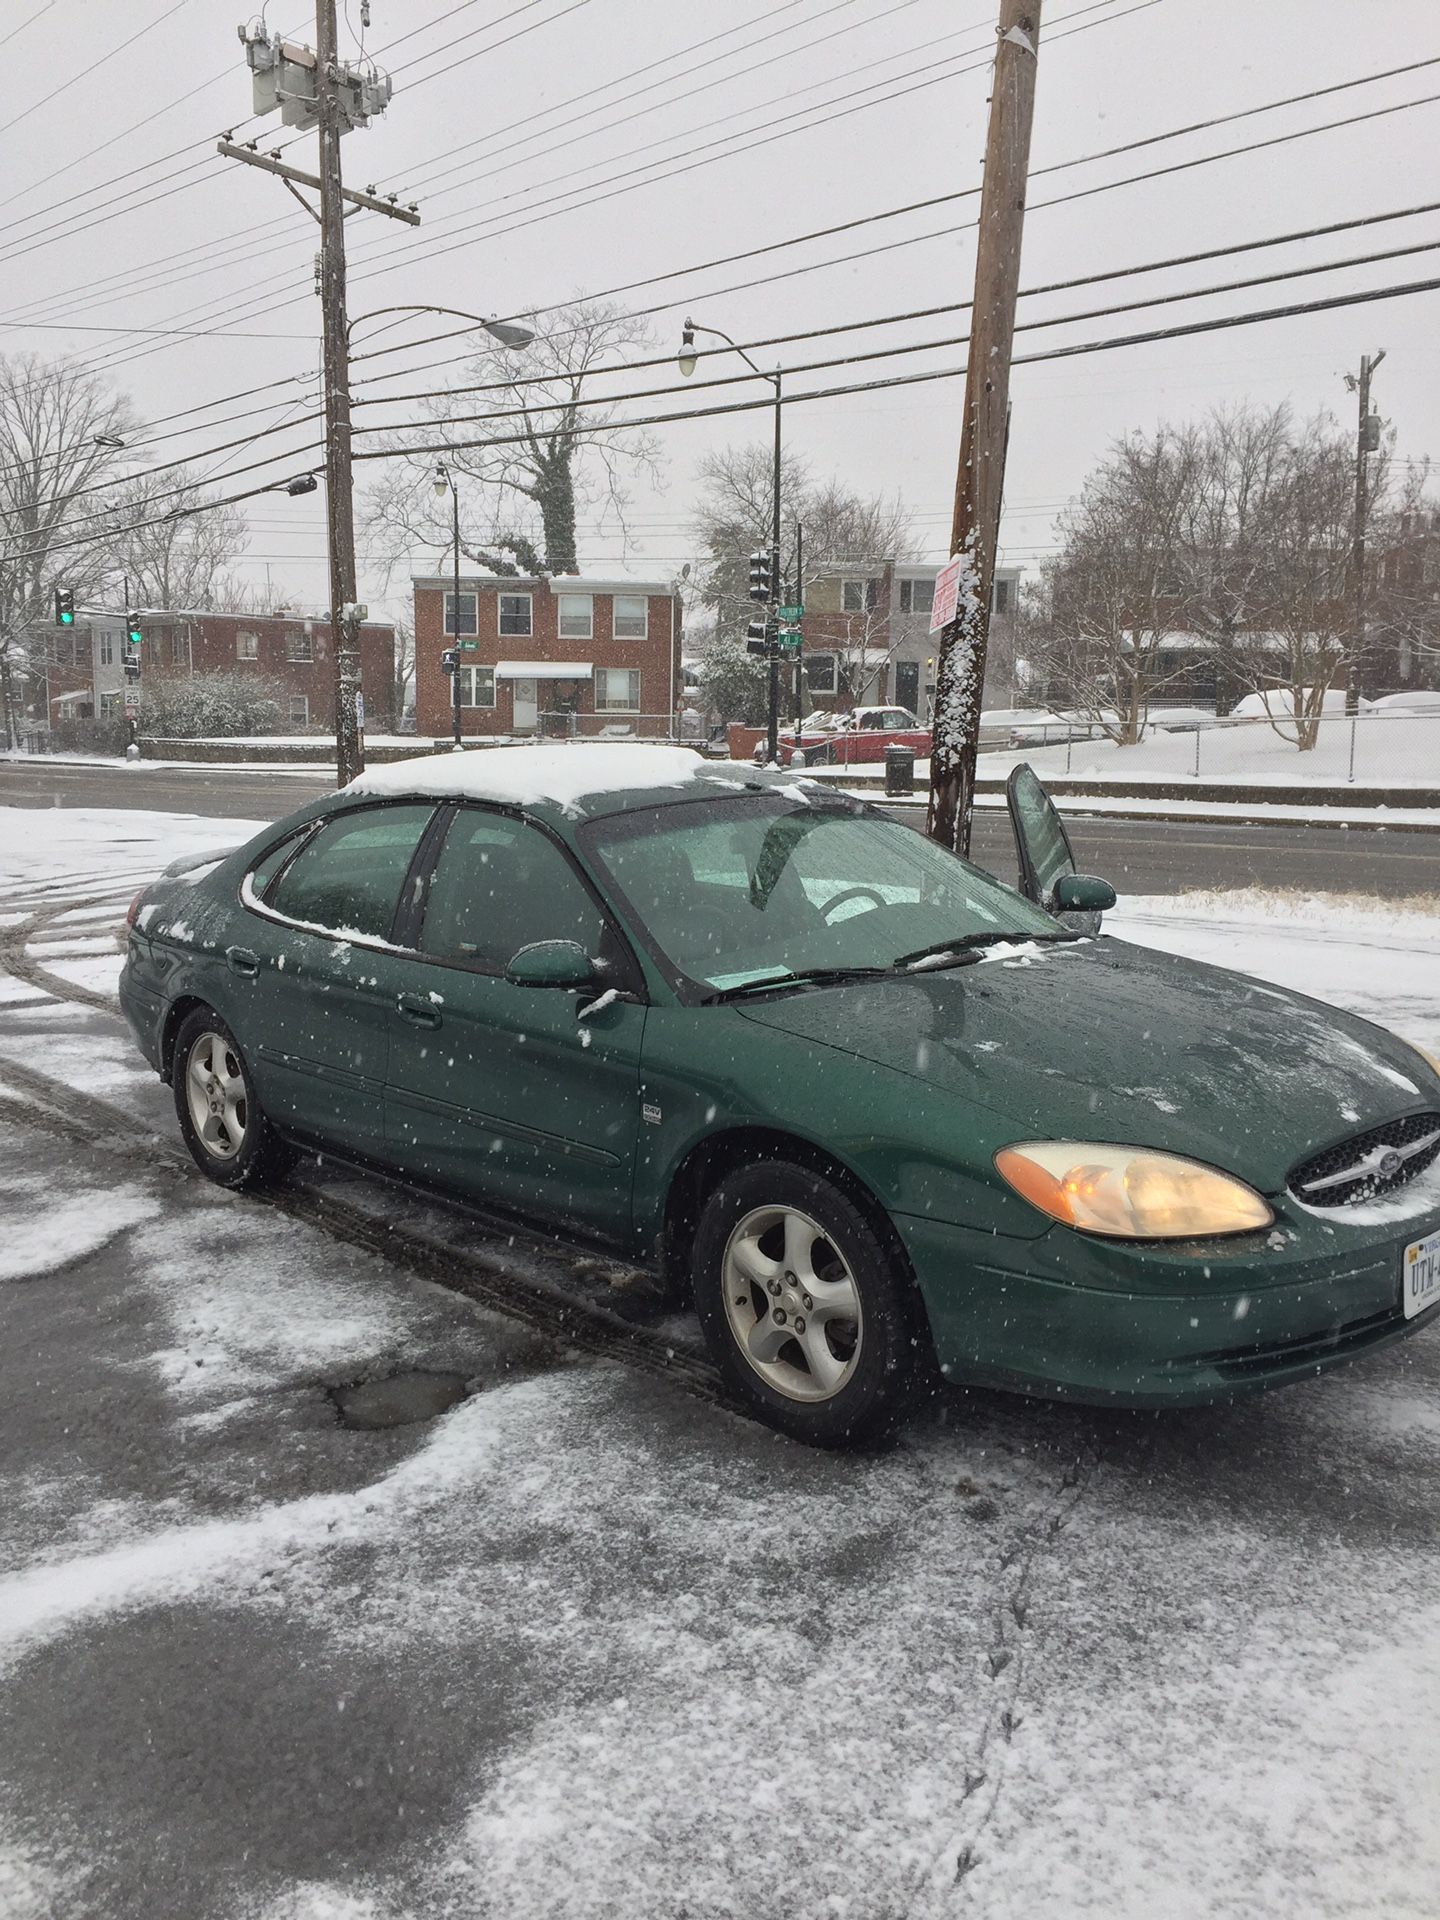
{"x":760,"y":575}
{"x":757,"y":637}
{"x":450,"y":660}
{"x":132,"y":630}
{"x":64,"y":607}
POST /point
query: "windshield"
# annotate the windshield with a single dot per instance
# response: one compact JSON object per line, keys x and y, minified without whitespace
{"x":742,"y":890}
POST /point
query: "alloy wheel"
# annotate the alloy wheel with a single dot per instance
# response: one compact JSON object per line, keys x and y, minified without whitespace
{"x":216,"y":1096}
{"x":791,"y":1303}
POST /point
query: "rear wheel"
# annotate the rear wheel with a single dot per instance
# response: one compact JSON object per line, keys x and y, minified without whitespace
{"x":229,"y":1138}
{"x":808,"y":1312}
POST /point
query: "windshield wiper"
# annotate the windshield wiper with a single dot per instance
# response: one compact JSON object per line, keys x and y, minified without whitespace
{"x":805,"y":977}
{"x":963,"y":945}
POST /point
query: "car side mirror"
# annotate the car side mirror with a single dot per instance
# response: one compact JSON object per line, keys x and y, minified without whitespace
{"x":1083,"y":893}
{"x":552,"y":963}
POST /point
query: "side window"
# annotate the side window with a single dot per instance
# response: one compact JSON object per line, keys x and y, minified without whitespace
{"x":500,"y":885}
{"x":348,"y":878}
{"x":266,"y":868}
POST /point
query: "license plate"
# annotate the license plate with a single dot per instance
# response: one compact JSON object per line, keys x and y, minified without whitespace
{"x":1421,"y":1267}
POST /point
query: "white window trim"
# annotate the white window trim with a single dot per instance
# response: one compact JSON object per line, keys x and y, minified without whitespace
{"x":472,"y":705}
{"x":644,"y":602}
{"x":507,"y":634}
{"x":446,"y":611}
{"x":106,"y":644}
{"x":863,"y":583}
{"x":813,"y":660}
{"x":296,"y":640}
{"x":912,"y":583}
{"x":602,"y":706}
{"x":303,"y":719}
{"x":240,"y":653}
{"x":561,"y":617}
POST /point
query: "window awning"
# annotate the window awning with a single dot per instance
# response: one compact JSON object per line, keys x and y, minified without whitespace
{"x":543,"y":670}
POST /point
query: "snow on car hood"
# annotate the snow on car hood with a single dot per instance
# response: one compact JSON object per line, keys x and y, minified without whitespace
{"x":1105,"y":1041}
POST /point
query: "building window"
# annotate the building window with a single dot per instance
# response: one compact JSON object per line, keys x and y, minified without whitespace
{"x":631,"y":616}
{"x":820,"y":672}
{"x":1000,"y":602}
{"x":858,"y":596}
{"x":107,"y":649}
{"x":110,"y":706}
{"x":299,"y":709}
{"x":917,"y":596}
{"x":577,"y":620}
{"x":617,"y":689}
{"x":469,"y":614}
{"x":180,"y":648}
{"x":477,"y":686}
{"x":300,"y":647}
{"x":247,"y":646}
{"x":515,"y":615}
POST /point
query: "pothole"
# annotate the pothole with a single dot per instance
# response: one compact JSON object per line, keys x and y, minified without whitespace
{"x":399,"y":1400}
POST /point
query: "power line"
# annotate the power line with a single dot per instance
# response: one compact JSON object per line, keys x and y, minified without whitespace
{"x":1255,"y":317}
{"x":26,"y":23}
{"x":84,"y":73}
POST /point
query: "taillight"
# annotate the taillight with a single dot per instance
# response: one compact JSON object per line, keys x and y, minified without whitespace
{"x":135,"y":908}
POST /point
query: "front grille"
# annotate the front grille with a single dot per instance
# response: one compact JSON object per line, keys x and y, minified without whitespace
{"x":1351,"y":1337}
{"x":1362,"y":1167}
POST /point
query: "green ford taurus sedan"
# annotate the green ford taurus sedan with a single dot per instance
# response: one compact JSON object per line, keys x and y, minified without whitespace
{"x":875,"y":1108}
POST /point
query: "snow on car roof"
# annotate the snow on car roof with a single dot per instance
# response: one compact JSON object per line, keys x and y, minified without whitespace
{"x":523,"y":776}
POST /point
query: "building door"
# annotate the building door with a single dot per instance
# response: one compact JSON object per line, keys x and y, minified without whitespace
{"x":907,"y":684}
{"x":525,"y":706}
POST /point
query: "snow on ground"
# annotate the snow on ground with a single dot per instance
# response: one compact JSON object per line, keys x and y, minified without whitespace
{"x":51,"y":853}
{"x":1393,"y":749}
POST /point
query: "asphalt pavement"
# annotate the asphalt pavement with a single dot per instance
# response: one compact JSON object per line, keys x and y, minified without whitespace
{"x":1138,"y":856}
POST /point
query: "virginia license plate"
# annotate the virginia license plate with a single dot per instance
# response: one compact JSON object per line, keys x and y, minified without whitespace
{"x":1420,"y":1286}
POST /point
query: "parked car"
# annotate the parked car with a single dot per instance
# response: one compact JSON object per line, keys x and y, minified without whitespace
{"x":876,"y":1110}
{"x":849,"y":738}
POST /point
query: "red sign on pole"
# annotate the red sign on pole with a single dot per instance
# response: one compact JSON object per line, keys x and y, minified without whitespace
{"x":947,"y":588}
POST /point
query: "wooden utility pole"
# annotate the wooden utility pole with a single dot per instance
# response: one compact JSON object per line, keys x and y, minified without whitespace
{"x":1367,"y":441}
{"x":339,"y":500}
{"x":960,"y":664}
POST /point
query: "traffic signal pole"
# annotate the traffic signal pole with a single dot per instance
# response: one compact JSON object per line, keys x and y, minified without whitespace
{"x":960,"y":667}
{"x":1367,"y":441}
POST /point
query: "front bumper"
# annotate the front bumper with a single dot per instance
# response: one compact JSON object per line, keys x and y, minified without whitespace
{"x":1155,"y":1326}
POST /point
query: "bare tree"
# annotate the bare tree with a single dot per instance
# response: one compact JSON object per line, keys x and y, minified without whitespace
{"x":1299,"y":638}
{"x":1114,"y":590}
{"x":560,"y":451}
{"x":54,"y":419}
{"x":171,"y":547}
{"x":733,"y":518}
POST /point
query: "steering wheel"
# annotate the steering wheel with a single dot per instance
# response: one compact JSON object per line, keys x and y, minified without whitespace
{"x":851,"y":893}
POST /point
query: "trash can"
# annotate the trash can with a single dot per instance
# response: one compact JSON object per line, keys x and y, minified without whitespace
{"x":899,"y":770}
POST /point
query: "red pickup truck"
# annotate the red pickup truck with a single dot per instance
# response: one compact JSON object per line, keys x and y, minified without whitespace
{"x":845,"y":739}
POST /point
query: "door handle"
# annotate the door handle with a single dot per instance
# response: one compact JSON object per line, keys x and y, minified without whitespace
{"x":243,"y":962}
{"x":420,"y":1013}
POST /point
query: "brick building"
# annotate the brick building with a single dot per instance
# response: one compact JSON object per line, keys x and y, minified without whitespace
{"x":568,"y":655}
{"x":867,"y":634}
{"x":287,"y":651}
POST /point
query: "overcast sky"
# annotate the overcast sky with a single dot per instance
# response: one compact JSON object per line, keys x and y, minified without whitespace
{"x":481,"y":133}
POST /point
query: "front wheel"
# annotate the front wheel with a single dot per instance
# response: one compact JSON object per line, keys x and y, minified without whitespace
{"x":221,"y":1121}
{"x":807,"y":1311}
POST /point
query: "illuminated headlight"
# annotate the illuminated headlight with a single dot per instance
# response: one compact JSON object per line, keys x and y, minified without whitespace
{"x":1129,"y":1193}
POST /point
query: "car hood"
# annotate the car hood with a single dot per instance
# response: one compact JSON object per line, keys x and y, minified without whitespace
{"x":1101,"y":1040}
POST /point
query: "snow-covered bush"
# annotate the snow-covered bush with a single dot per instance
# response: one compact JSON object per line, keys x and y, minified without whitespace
{"x":214,"y":706}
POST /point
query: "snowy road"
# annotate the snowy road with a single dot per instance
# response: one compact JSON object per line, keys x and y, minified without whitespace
{"x":591,"y":1645}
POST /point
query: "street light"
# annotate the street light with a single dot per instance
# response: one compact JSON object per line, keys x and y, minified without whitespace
{"x":505,"y":331}
{"x":443,"y":484}
{"x":688,"y":360}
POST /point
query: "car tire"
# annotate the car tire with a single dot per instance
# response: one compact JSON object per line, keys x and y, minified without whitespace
{"x":221,"y":1119}
{"x":782,"y":1234}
